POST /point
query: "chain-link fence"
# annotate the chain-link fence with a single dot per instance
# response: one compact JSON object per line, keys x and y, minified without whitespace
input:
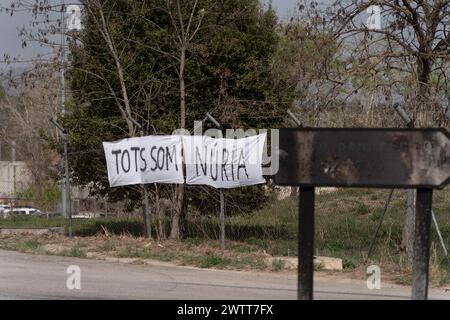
{"x":346,"y":218}
{"x":347,"y":221}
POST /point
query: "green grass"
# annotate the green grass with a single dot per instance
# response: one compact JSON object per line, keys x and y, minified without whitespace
{"x":344,"y":224}
{"x":107,"y":246}
{"x":362,"y":209}
{"x":213,"y":260}
{"x":29,"y":245}
{"x":131,"y":251}
{"x":81,"y":227}
{"x":220,"y":261}
{"x":75,"y":251}
{"x":32,"y":222}
{"x":278,"y":264}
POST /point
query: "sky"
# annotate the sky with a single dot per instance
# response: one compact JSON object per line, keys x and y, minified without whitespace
{"x":10,"y":42}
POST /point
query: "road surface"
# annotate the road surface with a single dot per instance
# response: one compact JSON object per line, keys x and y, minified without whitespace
{"x":25,"y":276}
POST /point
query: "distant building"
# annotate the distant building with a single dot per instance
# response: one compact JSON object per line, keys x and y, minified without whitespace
{"x":14,"y":177}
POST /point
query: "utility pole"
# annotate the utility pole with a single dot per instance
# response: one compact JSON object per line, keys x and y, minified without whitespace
{"x":66,"y":188}
{"x":13,"y":159}
{"x":222,"y":196}
{"x":64,"y":204}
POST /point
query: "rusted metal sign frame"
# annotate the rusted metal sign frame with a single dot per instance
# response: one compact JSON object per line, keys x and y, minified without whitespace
{"x":359,"y":131}
{"x":422,"y":230}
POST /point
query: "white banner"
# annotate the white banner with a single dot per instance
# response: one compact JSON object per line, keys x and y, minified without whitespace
{"x":144,"y":160}
{"x":224,"y":163}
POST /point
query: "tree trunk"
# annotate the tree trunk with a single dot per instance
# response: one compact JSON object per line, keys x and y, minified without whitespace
{"x":182,"y":88}
{"x":408,"y":227}
{"x":423,"y":110}
{"x":146,"y":235}
{"x":423,"y":117}
{"x":161,"y":225}
{"x":179,"y":214}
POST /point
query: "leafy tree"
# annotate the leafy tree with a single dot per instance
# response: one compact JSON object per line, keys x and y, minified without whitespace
{"x":135,"y":51}
{"x":43,"y":196}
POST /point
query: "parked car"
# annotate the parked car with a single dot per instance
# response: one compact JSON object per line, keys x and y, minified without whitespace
{"x":24,"y":211}
{"x":3,"y":209}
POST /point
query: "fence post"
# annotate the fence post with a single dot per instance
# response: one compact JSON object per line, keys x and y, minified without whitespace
{"x":422,"y":241}
{"x":305,"y":243}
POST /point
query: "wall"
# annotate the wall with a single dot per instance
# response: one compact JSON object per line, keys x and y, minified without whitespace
{"x":14,"y":177}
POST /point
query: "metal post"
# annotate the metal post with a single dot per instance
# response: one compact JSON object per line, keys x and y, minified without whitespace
{"x":214,"y":121}
{"x":222,"y":198}
{"x":13,"y":160}
{"x":63,"y":58}
{"x":67,"y":184}
{"x":405,"y":117}
{"x":65,"y":195}
{"x":222,"y":220}
{"x":294,"y":190}
{"x":410,"y":225}
{"x":293,"y":117}
{"x":422,"y":241}
{"x":64,"y":200}
{"x":372,"y":243}
{"x":441,"y":240}
{"x":305,"y":244}
{"x":148,"y":227}
{"x":13,"y":151}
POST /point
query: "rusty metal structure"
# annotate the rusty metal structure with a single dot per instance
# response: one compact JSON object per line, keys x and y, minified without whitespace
{"x":374,"y":158}
{"x":377,"y":158}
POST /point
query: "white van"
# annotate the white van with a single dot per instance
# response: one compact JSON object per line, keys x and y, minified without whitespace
{"x":24,"y":211}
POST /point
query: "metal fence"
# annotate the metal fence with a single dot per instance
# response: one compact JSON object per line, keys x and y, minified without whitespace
{"x":367,"y":218}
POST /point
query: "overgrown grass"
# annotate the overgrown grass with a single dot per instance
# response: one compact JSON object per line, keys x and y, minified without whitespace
{"x":107,"y":246}
{"x":344,"y":225}
{"x":278,"y":264}
{"x":213,"y":260}
{"x":29,"y":245}
{"x":32,"y":222}
{"x":75,"y":251}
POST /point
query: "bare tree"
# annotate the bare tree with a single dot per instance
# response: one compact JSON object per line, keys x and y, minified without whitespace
{"x":28,"y":112}
{"x":413,"y":41}
{"x":185,"y":19}
{"x":186,"y":23}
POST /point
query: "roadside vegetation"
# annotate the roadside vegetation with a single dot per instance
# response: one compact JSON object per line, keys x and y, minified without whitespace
{"x":345,"y":222}
{"x":239,"y":62}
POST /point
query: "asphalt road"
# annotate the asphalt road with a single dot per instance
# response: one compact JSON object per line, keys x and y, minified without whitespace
{"x":24,"y":276}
